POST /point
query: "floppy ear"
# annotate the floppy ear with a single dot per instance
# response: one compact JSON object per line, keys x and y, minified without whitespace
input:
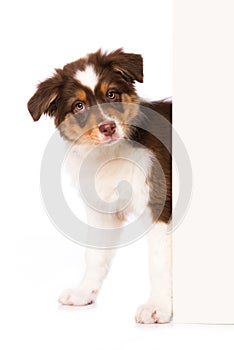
{"x":130,"y":65}
{"x":44,"y":101}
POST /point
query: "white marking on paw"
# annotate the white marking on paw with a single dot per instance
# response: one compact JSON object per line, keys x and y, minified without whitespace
{"x":87,"y":77}
{"x":77,"y":297}
{"x":150,"y":313}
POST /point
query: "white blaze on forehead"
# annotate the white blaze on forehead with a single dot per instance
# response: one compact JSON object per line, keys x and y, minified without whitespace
{"x":87,"y":77}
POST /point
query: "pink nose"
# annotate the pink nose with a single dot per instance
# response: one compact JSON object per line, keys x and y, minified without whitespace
{"x":108,"y":129}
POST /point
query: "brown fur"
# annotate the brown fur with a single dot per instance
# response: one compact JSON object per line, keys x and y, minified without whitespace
{"x":161,"y":153}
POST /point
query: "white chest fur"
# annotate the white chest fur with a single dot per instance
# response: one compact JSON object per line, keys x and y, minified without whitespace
{"x":111,"y":178}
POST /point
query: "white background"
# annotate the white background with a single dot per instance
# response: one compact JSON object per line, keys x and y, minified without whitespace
{"x":36,"y":261}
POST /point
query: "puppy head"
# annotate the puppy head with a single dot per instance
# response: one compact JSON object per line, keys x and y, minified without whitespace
{"x":93,"y":99}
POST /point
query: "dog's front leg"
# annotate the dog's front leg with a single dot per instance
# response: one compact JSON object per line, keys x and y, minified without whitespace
{"x":97,"y":265}
{"x":158,"y":309}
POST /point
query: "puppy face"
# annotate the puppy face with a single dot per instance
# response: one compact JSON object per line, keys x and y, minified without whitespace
{"x":92,"y":100}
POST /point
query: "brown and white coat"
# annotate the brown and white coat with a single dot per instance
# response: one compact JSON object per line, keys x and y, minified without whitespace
{"x":94,"y":104}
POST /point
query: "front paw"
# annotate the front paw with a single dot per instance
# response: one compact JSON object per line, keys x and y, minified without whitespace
{"x":150,"y":313}
{"x":77,"y":297}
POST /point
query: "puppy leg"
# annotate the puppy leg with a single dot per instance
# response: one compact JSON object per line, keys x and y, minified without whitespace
{"x":97,"y":265}
{"x":158,"y":309}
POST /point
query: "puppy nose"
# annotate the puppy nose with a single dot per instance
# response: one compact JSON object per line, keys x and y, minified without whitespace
{"x":108,"y":129}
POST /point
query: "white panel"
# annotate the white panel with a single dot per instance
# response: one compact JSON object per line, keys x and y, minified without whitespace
{"x":204,"y":118}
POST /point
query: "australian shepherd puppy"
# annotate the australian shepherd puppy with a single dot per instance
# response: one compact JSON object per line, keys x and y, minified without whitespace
{"x":95,"y":107}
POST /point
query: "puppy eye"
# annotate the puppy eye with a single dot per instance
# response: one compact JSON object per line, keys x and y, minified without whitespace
{"x":79,"y":107}
{"x":111,"y":95}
